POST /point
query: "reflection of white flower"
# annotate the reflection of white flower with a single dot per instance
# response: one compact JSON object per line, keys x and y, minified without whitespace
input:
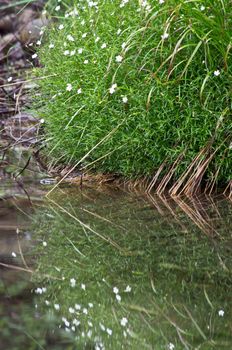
{"x":221,"y":313}
{"x":109,"y":331}
{"x":115,"y":290}
{"x":76,"y":322}
{"x":118,"y":297}
{"x":57,"y":306}
{"x":72,"y":282}
{"x":128,"y":289}
{"x":124,"y":321}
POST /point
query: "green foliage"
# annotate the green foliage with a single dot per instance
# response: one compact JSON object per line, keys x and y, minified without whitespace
{"x":172,"y":66}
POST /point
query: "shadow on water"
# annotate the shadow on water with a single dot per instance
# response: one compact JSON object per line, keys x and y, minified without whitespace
{"x":114,"y":270}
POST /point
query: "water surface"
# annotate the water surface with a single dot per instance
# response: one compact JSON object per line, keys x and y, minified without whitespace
{"x":118,"y":270}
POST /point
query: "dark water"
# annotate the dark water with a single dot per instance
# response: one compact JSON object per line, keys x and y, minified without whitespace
{"x":107,"y":269}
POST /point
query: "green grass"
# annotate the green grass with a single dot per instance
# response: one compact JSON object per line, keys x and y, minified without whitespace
{"x":177,"y":104}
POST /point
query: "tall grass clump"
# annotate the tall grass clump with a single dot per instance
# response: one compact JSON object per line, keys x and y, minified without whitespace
{"x":141,"y":87}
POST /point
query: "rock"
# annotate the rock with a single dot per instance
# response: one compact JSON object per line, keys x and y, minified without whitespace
{"x":31,"y":32}
{"x":22,"y":127}
{"x":7,"y":23}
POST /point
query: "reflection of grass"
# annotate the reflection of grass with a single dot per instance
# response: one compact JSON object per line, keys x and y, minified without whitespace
{"x":177,"y":279}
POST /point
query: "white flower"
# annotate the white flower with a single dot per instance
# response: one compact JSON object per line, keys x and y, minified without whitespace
{"x":165,"y":36}
{"x":71,"y":310}
{"x":90,"y":305}
{"x":118,"y":297}
{"x":79,"y":91}
{"x":85,"y":311}
{"x":45,"y":244}
{"x":221,"y":313}
{"x":70,"y":37}
{"x":216,"y":73}
{"x":82,"y":285}
{"x":73,"y":328}
{"x":66,"y":52}
{"x":161,"y":2}
{"x":109,"y":331}
{"x":13,"y":254}
{"x":67,"y":330}
{"x":84,"y":35}
{"x":44,"y":289}
{"x":61,"y":26}
{"x":202,"y":8}
{"x":57,"y":306}
{"x":124,"y":321}
{"x":47,"y":302}
{"x":125,"y":100}
{"x":77,"y":306}
{"x":123,"y":45}
{"x":34,"y":56}
{"x":57,"y":8}
{"x":103,"y":46}
{"x":119,"y":31}
{"x":82,"y":22}
{"x":38,"y":42}
{"x":72,"y":282}
{"x":72,"y":53}
{"x":112,"y":90}
{"x":119,"y":58}
{"x":51,"y":46}
{"x":80,"y":50}
{"x":115,"y":290}
{"x":86,"y":61}
{"x":69,"y":87}
{"x":171,"y":346}
{"x":97,"y":39}
{"x":90,"y":324}
{"x":128,"y":289}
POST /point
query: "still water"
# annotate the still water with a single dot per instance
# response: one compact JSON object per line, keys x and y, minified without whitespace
{"x":99,"y":268}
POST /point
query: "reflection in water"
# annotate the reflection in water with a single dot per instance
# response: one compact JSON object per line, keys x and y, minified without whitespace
{"x":118,"y":271}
